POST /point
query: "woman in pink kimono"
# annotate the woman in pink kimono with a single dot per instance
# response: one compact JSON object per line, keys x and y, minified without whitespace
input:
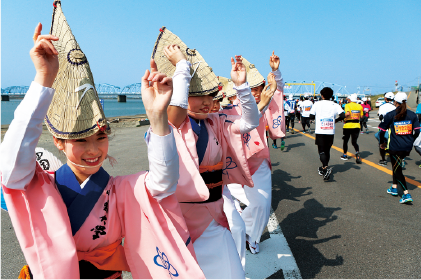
{"x":70,"y":223}
{"x":258,"y":199}
{"x":209,"y":157}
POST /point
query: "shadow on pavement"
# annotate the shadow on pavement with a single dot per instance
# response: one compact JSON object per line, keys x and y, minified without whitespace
{"x":282,"y":190}
{"x":365,"y":154}
{"x":300,"y":230}
{"x":289,"y":147}
{"x":339,"y":168}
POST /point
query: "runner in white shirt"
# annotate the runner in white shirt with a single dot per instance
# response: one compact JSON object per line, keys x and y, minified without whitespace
{"x":299,"y":103}
{"x":287,"y":108}
{"x":326,"y":113}
{"x":305,"y":113}
{"x":383,"y":110}
{"x":291,"y":112}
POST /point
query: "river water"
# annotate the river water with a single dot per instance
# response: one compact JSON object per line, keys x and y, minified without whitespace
{"x":112,"y":108}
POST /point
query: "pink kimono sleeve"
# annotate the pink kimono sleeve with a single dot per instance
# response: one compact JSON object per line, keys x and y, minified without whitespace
{"x":275,"y":116}
{"x":157,"y":242}
{"x":40,"y":220}
{"x":235,"y":165}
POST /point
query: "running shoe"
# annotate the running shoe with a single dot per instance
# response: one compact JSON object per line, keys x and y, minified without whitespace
{"x":327,"y":173}
{"x":383,"y":162}
{"x":292,"y":131}
{"x":287,"y":129}
{"x":406,"y":198}
{"x":344,"y":157}
{"x":393,"y":191}
{"x":362,"y":132}
{"x":304,"y":132}
{"x":358,"y":158}
{"x":274,"y":146}
{"x":320,"y":170}
{"x":309,"y":130}
{"x":282,"y":145}
{"x":419,"y":166}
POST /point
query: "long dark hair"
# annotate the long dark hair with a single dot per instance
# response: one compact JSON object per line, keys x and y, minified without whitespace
{"x":401,"y":111}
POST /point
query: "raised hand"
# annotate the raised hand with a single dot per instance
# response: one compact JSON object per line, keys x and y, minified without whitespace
{"x":238,"y":71}
{"x":45,"y":57}
{"x":156,"y":96}
{"x":174,"y":54}
{"x":268,"y":91}
{"x":274,"y":61}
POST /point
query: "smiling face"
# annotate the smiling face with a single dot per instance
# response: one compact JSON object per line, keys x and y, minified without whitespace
{"x":199,"y":106}
{"x":89,"y":152}
{"x":256,"y":92}
{"x":216,"y":106}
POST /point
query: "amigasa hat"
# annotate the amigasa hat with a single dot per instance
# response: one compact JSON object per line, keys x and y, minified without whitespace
{"x":225,"y":102}
{"x":203,"y":82}
{"x":75,"y":111}
{"x":254,"y":78}
{"x":227,"y":88}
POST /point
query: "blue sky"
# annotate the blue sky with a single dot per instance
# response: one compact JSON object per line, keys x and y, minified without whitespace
{"x":352,"y":43}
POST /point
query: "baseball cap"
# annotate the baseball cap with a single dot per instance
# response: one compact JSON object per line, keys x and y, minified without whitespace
{"x":353,"y":97}
{"x":400,"y":96}
{"x":389,"y":95}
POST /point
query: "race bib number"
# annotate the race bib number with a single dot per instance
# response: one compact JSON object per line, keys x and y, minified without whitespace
{"x":326,"y":124}
{"x":365,"y":109}
{"x":307,"y":109}
{"x":403,"y":128}
{"x":355,"y":114}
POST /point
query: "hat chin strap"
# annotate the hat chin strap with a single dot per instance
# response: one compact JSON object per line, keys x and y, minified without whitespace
{"x":111,"y":159}
{"x":197,"y":113}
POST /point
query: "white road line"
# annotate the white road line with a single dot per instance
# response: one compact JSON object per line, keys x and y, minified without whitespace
{"x":274,"y":255}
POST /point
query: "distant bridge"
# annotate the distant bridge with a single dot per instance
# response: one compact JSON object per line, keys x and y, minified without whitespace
{"x":102,"y":89}
{"x":299,"y":88}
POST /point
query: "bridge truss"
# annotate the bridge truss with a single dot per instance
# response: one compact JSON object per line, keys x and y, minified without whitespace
{"x":102,"y":89}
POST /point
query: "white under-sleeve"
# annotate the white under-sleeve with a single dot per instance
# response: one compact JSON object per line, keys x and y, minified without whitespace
{"x":250,"y":113}
{"x":181,"y":83}
{"x":17,"y":160}
{"x":163,"y":175}
{"x":279,"y":80}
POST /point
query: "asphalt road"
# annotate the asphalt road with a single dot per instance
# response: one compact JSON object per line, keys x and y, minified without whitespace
{"x":348,"y":227}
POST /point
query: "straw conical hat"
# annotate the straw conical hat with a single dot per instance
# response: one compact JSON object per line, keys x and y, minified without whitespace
{"x":227,"y":87}
{"x":203,"y":82}
{"x":254,"y":78}
{"x":221,"y":93}
{"x":75,"y":111}
{"x":225,"y":102}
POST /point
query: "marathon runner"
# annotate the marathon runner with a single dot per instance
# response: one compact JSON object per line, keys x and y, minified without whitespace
{"x":404,"y":129}
{"x":326,"y":113}
{"x":364,"y":118}
{"x":291,"y":112}
{"x":353,"y":113}
{"x":305,"y":113}
{"x":383,"y":110}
